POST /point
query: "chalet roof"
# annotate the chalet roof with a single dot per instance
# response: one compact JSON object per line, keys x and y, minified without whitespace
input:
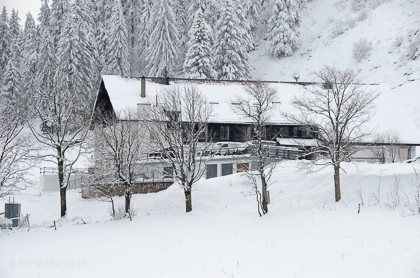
{"x":125,"y":93}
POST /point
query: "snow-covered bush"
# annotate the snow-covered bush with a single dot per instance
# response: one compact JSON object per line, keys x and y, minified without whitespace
{"x":362,"y":49}
{"x":341,"y":26}
{"x":414,"y":48}
{"x":362,"y":15}
{"x":338,"y":28}
{"x":393,"y":197}
{"x":358,"y":5}
{"x":120,"y":213}
{"x":398,"y":41}
{"x":411,"y":196}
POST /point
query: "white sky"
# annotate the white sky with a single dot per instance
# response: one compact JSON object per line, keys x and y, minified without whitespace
{"x":23,"y":6}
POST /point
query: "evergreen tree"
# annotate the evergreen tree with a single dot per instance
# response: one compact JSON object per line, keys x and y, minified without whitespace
{"x":283,"y":28}
{"x":14,"y":26}
{"x":4,"y":40}
{"x":47,"y":64}
{"x":11,"y":88}
{"x":58,"y":10}
{"x":182,"y":18}
{"x":231,"y":55}
{"x":163,"y":44}
{"x":29,"y":55}
{"x":253,"y":10}
{"x":245,"y":30}
{"x":44,"y":17}
{"x":132,"y":13}
{"x":208,"y":8}
{"x":12,"y":72}
{"x":301,"y":4}
{"x":101,"y":13}
{"x":73,"y":61}
{"x":85,"y":32}
{"x":199,"y":61}
{"x":117,"y":43}
{"x":143,"y":38}
{"x":266,"y":12}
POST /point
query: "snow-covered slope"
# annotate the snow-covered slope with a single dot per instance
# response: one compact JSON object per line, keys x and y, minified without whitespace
{"x":305,"y":233}
{"x":330,"y":28}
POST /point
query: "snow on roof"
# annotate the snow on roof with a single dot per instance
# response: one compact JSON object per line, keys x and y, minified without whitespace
{"x":389,"y":114}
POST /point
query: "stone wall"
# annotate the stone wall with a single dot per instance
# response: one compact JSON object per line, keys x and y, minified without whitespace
{"x":96,"y":191}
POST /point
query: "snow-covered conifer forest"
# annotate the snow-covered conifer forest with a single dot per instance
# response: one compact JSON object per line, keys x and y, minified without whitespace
{"x":327,"y":217}
{"x":141,"y":37}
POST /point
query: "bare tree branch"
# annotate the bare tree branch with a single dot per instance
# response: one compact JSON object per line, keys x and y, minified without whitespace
{"x":257,"y":106}
{"x":178,"y":126}
{"x":336,"y":112}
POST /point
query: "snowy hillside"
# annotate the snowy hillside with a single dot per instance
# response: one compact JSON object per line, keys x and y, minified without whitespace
{"x":305,"y":234}
{"x":329,"y":30}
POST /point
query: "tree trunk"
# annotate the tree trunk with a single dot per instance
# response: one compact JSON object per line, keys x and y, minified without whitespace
{"x":337,"y":182}
{"x":63,"y":201}
{"x":113,"y":207}
{"x":63,"y":188}
{"x":188,"y":200}
{"x":264,"y":195}
{"x":127,"y":200}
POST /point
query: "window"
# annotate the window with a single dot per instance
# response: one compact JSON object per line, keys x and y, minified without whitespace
{"x":242,"y":167}
{"x":227,"y":169}
{"x":168,"y":172}
{"x":224,"y":132}
{"x":211,"y":171}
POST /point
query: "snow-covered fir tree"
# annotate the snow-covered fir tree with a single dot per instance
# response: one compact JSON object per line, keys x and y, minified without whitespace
{"x":85,"y":32}
{"x":301,"y":4}
{"x":132,"y":13}
{"x":209,"y":9}
{"x":143,"y":37}
{"x":117,"y":42}
{"x":266,"y":12}
{"x":14,"y":26}
{"x":11,"y":81}
{"x":283,"y":32}
{"x":245,"y":29}
{"x":47,"y":63}
{"x":59,"y":8}
{"x":11,"y":87}
{"x":162,"y":52}
{"x":183,"y":19}
{"x":100,"y":15}
{"x":199,"y":58}
{"x":4,"y":40}
{"x":29,"y":55}
{"x":73,"y":62}
{"x":253,"y":10}
{"x":231,"y":53}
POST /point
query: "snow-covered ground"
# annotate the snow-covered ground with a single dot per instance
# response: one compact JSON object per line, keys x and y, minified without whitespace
{"x":305,"y":233}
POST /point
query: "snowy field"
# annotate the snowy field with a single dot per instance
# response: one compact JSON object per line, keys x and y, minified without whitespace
{"x":305,"y":233}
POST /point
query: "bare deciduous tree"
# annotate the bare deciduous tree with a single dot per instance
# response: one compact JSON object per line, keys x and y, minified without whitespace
{"x":178,"y":126}
{"x":15,"y":150}
{"x":257,"y":106}
{"x":119,"y":147}
{"x":387,"y":146}
{"x":59,"y":123}
{"x":336,"y":111}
